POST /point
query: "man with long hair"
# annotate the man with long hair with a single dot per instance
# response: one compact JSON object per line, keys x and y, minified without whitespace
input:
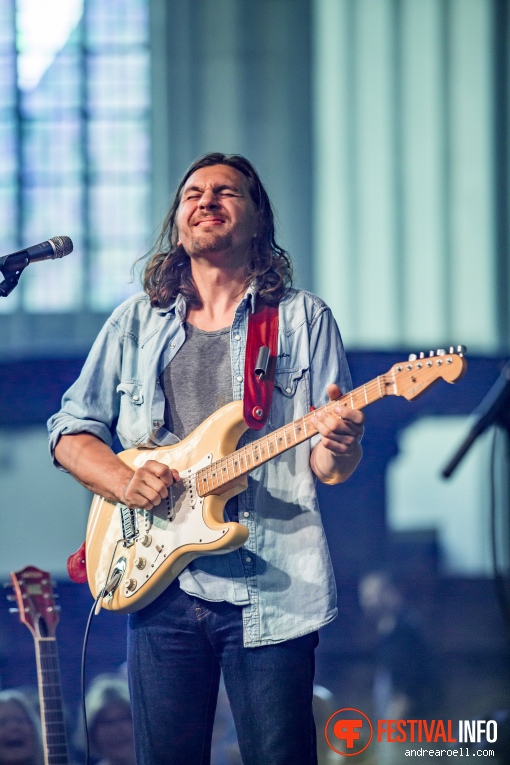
{"x":165,"y":361}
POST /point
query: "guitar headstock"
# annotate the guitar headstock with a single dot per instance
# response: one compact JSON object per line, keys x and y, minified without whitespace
{"x":33,"y":593}
{"x":411,"y":378}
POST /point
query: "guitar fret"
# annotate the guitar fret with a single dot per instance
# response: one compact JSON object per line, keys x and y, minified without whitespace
{"x":248,"y":457}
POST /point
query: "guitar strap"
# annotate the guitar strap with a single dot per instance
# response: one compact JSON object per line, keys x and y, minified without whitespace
{"x":259,"y":370}
{"x":76,"y":567}
{"x":260,"y":365}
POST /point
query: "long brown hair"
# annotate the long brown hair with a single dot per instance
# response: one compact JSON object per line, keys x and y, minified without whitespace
{"x":168,"y":270}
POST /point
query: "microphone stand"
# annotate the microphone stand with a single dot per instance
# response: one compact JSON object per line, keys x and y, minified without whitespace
{"x":8,"y":284}
{"x":494,"y":409}
{"x":11,"y":276}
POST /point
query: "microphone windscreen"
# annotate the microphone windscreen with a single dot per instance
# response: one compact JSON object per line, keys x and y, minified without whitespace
{"x":62,"y":244}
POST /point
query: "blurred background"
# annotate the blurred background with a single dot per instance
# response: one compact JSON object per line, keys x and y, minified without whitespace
{"x":380,"y":129}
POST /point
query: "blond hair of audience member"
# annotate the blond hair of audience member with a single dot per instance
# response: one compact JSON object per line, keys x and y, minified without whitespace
{"x":20,"y":730}
{"x":109,"y":721}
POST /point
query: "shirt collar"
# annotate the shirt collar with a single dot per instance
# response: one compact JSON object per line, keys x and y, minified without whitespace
{"x":178,"y":306}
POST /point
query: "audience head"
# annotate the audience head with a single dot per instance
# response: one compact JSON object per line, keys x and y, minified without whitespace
{"x":109,"y":720}
{"x":20,"y":730}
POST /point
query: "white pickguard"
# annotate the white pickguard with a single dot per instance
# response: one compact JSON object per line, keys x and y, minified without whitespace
{"x":176,"y":522}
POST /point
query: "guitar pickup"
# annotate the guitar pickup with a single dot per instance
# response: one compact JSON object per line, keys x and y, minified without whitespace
{"x":129,"y":524}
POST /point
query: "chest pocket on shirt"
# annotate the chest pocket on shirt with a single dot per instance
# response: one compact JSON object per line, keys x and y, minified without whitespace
{"x":289,"y":397}
{"x":131,"y":424}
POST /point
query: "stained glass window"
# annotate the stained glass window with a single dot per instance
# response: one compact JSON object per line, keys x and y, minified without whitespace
{"x":75,"y":146}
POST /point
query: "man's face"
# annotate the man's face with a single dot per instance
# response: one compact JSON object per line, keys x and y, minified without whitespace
{"x":216,"y":213}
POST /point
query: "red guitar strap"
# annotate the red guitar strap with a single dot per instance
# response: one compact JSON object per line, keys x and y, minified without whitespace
{"x":259,"y":365}
{"x":76,"y":566}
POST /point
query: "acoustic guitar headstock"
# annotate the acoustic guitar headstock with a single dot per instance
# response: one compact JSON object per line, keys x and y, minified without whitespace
{"x":33,"y":593}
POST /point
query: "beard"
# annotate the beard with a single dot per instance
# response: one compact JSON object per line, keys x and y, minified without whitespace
{"x":211,"y":241}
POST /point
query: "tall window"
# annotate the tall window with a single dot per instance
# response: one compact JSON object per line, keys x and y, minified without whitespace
{"x":74,"y":146}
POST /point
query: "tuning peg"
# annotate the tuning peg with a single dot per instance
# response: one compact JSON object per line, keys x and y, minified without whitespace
{"x":461,"y":349}
{"x":14,"y":610}
{"x":422,"y":355}
{"x":440,"y":352}
{"x":451,"y":349}
{"x":432,"y":353}
{"x":412,"y":357}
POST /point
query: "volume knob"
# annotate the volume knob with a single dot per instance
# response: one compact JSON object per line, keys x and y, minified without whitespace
{"x":140,"y":562}
{"x":130,"y":585}
{"x":146,"y":540}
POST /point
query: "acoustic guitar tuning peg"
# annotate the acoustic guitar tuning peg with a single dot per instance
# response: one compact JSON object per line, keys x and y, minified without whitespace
{"x":412,"y":357}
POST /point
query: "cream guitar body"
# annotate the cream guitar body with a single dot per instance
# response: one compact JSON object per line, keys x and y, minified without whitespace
{"x":152,"y":548}
{"x":132,"y":555}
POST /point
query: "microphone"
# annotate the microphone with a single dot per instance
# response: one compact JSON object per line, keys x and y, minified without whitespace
{"x":56,"y":247}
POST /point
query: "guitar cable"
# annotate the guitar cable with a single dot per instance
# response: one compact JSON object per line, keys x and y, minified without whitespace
{"x":109,"y":587}
{"x":82,"y":674}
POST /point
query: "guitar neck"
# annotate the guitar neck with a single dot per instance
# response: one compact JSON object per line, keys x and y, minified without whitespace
{"x":50,"y":696}
{"x":244,"y":460}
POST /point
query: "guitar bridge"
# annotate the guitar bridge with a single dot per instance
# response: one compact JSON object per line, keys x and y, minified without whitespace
{"x":129,"y":523}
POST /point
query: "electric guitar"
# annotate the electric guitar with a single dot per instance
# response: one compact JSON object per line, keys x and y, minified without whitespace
{"x":133,"y":555}
{"x":37,"y":610}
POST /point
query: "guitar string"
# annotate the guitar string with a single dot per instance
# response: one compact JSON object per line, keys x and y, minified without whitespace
{"x":52,"y":701}
{"x":375,"y":387}
{"x":229,"y":461}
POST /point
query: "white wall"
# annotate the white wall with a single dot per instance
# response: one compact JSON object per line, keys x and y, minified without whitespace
{"x":458,"y":508}
{"x":43,"y":511}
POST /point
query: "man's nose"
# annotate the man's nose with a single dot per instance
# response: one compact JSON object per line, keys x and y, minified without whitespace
{"x":208,"y":199}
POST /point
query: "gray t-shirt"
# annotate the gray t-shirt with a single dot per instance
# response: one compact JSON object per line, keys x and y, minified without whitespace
{"x":198,"y":381}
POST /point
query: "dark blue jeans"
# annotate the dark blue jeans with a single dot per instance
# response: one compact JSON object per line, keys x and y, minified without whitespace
{"x":176,"y":647}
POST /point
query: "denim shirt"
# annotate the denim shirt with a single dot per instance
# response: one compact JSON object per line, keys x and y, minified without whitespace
{"x":282,"y":576}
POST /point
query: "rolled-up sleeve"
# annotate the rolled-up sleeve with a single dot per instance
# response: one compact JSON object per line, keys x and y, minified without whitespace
{"x":91,"y":404}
